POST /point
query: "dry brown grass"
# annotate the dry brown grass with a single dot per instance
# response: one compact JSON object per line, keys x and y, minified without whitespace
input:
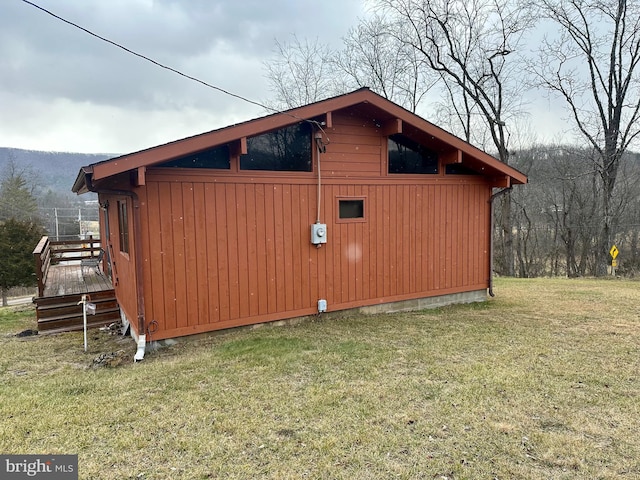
{"x":540,"y":382}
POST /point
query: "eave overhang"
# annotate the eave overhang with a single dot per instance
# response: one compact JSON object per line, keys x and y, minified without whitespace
{"x":395,"y":118}
{"x":82,"y":183}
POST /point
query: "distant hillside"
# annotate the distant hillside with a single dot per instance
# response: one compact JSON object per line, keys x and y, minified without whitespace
{"x":56,"y":170}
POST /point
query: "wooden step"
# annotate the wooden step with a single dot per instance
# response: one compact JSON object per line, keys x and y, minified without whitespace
{"x":72,"y":307}
{"x":74,"y":298}
{"x":76,"y":316}
{"x":79,"y":326}
{"x":69,"y":324}
{"x":64,"y":313}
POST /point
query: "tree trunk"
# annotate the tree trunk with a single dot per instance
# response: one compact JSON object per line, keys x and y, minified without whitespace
{"x":556,"y":251}
{"x":633,"y":250}
{"x":507,"y":236}
{"x":570,"y":245}
{"x":605,"y":242}
{"x":4,"y":297}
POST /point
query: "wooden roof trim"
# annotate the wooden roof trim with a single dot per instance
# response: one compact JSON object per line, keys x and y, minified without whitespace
{"x":328,"y":120}
{"x":454,"y":156}
{"x":225,"y":135}
{"x":80,"y":185}
{"x":254,"y":127}
{"x":239,"y":147}
{"x":503,"y":181}
{"x":392,"y":127}
{"x":141,"y":177}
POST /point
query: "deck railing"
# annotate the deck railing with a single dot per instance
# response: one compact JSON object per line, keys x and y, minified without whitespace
{"x":50,"y":252}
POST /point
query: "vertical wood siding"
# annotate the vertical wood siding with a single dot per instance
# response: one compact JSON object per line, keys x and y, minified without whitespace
{"x":223,"y":249}
{"x":223,"y":253}
{"x":124,"y":271}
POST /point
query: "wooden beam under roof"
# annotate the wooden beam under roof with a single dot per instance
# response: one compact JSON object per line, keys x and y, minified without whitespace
{"x":502,"y":182}
{"x":329,"y":119}
{"x":141,"y":176}
{"x":392,"y":127}
{"x":453,"y":156}
{"x":239,"y":147}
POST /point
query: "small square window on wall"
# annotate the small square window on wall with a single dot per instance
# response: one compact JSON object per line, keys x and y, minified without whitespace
{"x":123,"y":226}
{"x":351,"y":209}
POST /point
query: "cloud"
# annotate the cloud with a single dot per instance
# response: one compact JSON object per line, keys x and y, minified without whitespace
{"x":66,"y":90}
{"x":68,"y":126}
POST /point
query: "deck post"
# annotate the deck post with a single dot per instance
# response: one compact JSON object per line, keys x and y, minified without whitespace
{"x":42,"y":258}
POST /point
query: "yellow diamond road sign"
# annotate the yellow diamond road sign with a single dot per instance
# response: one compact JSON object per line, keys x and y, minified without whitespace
{"x":614,"y":252}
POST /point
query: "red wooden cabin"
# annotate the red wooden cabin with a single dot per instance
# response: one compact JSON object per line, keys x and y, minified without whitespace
{"x":217,"y":230}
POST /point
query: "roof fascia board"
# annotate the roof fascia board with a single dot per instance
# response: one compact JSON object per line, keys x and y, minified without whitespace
{"x":225,"y":135}
{"x":80,"y":185}
{"x":250,"y":128}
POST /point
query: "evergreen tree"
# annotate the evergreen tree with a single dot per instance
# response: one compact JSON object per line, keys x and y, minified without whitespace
{"x":16,"y":200}
{"x":20,"y":229}
{"x":18,"y":238}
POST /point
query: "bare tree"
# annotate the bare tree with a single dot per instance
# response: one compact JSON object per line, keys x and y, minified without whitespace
{"x":300,"y":72}
{"x":571,"y":186}
{"x":473,"y":45}
{"x":459,"y":114}
{"x":374,"y":57}
{"x":468,"y":43}
{"x":593,"y":66}
{"x":627,"y":205}
{"x":555,"y":216}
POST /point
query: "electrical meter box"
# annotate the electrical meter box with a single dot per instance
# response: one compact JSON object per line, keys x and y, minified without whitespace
{"x":318,"y":233}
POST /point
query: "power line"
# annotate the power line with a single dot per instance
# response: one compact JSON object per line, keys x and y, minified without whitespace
{"x":161,"y":65}
{"x":178,"y":72}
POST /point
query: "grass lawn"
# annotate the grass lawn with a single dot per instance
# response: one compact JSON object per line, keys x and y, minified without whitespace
{"x":540,"y":382}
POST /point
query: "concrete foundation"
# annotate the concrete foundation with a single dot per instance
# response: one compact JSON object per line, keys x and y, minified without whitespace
{"x":475,"y":296}
{"x":393,"y":307}
{"x":424,"y":303}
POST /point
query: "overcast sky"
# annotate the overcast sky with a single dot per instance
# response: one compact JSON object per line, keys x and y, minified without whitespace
{"x":64,"y":90}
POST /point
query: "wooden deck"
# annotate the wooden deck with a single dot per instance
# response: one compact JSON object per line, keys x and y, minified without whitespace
{"x":71,"y":279}
{"x":62,"y":285}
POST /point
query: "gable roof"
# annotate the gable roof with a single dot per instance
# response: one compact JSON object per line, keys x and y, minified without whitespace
{"x":383,"y":110}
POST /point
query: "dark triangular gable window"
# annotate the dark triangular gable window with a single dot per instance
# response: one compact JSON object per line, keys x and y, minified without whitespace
{"x":287,"y":149}
{"x":217,"y":157}
{"x":407,"y":156}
